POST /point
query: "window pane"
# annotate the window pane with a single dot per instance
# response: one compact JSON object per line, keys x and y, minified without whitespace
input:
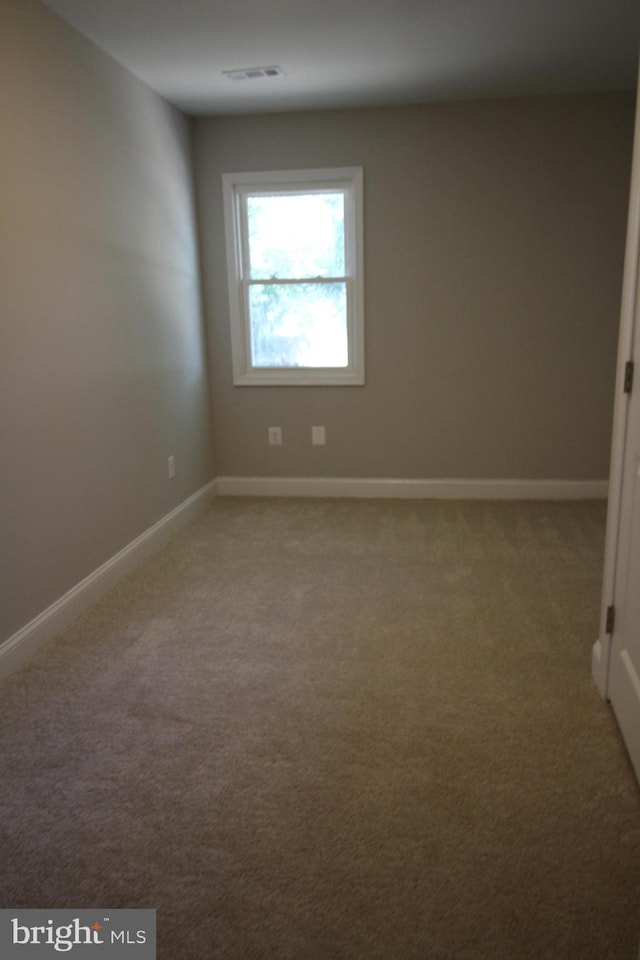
{"x":299,"y":325}
{"x":296,"y":235}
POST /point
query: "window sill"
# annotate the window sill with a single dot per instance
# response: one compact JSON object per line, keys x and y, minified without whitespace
{"x":299,"y":378}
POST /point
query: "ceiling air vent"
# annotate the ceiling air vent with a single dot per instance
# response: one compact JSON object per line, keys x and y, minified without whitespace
{"x":254,"y":73}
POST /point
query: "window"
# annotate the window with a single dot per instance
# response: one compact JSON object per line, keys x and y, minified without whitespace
{"x":294,"y":255}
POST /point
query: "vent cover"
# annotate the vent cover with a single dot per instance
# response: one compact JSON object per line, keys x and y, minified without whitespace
{"x":254,"y":73}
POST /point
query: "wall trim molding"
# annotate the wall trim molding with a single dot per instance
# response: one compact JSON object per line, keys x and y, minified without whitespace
{"x":20,"y":647}
{"x":599,"y":659}
{"x":629,"y":325}
{"x":412,"y":489}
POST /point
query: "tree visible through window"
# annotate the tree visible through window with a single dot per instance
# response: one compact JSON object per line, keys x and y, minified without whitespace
{"x":298,"y":239}
{"x":295,"y":288}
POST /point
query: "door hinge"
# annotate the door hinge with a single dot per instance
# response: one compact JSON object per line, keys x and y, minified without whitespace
{"x":611,"y":619}
{"x":628,"y":376}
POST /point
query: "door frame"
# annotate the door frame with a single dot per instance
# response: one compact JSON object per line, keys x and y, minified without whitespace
{"x":629,"y":324}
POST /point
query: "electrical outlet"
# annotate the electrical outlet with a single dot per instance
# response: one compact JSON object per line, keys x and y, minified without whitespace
{"x":318,"y":437}
{"x":275,"y":436}
{"x":171,"y":463}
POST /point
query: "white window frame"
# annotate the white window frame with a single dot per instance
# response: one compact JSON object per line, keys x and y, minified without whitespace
{"x":236,"y":186}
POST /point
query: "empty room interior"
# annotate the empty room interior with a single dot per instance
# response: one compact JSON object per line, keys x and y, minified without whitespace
{"x":319,"y":605}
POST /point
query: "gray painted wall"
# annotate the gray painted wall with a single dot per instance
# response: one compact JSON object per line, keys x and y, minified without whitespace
{"x":494,"y":243}
{"x":102,"y":359}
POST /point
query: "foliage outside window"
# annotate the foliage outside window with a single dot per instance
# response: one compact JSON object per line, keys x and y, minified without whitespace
{"x":294,"y":250}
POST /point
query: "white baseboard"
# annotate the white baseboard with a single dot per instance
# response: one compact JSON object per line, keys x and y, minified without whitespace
{"x":412,"y":489}
{"x":19,"y":648}
{"x":600,"y":664}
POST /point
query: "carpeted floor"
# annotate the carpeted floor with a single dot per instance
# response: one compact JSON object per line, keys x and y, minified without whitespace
{"x":335,"y":729}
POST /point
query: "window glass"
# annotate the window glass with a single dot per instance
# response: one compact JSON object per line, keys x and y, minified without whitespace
{"x":295,"y":236}
{"x":295,"y":269}
{"x":299,"y":325}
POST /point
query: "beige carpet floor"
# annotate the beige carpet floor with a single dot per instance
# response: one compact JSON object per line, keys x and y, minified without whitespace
{"x":335,"y":729}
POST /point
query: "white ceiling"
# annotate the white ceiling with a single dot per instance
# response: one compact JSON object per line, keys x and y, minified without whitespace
{"x":342,"y":53}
